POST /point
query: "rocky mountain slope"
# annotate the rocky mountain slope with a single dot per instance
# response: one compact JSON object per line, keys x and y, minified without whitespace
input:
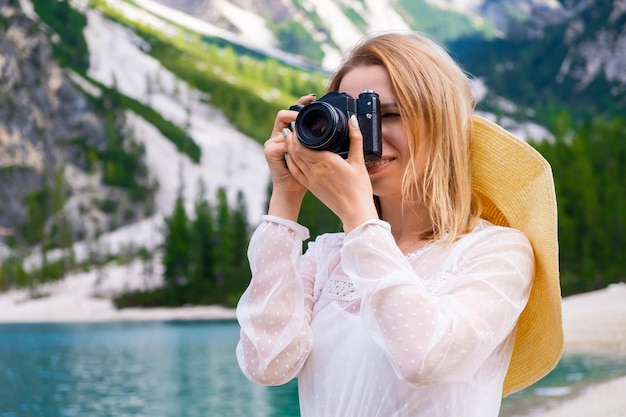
{"x":54,"y":129}
{"x":577,"y":63}
{"x":46,"y":124}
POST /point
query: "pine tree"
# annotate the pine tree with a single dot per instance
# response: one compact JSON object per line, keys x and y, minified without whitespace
{"x":176,"y":245}
{"x":588,"y":164}
{"x":225,"y":244}
{"x":202,"y":273}
{"x":241,"y":237}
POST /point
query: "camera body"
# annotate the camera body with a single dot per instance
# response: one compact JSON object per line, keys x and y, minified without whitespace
{"x":323,"y":123}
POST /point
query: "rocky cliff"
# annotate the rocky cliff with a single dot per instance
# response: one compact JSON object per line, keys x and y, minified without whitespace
{"x":48,"y":130}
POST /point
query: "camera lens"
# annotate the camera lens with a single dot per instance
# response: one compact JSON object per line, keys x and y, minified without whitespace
{"x":320,"y":126}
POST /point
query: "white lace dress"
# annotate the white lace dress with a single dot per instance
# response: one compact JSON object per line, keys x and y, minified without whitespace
{"x":371,"y":332}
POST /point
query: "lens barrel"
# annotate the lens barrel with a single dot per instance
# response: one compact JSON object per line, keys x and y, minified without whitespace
{"x":321,"y":126}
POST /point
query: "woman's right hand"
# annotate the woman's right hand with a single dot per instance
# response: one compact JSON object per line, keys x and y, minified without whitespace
{"x":287,"y":192}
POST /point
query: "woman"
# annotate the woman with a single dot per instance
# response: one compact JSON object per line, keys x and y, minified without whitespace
{"x":441,"y":295}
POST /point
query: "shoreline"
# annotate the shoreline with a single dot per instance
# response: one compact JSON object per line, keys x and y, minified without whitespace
{"x":601,"y":399}
{"x":87,"y":297}
{"x":595,"y":322}
{"x":190,"y":313}
{"x":104,"y":313}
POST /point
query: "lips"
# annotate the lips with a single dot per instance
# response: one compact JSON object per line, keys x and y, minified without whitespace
{"x":378,"y":163}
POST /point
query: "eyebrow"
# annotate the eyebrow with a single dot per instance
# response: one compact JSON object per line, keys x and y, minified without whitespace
{"x":384,"y":106}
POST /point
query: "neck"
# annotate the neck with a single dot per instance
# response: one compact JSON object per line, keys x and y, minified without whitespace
{"x":408,"y":223}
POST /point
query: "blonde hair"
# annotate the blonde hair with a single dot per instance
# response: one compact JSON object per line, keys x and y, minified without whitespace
{"x":435,"y":101}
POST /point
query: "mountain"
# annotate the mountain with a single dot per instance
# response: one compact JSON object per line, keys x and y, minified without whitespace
{"x":529,"y":58}
{"x":110,"y":110}
{"x":576,"y":62}
{"x":571,"y":52}
{"x":49,"y":132}
{"x":69,"y":125}
{"x":323,"y":30}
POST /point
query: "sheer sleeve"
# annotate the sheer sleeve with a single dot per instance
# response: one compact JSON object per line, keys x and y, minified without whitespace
{"x":444,"y":336}
{"x":275,"y":310}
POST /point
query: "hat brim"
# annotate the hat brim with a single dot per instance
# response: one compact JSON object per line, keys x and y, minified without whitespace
{"x":516,"y":188}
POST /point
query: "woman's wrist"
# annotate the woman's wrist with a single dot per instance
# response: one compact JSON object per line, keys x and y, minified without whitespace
{"x":357,"y":217}
{"x":285,"y":205}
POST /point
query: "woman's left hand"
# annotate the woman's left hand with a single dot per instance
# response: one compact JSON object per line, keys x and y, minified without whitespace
{"x":343,"y":185}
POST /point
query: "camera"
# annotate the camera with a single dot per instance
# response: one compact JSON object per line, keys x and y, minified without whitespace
{"x":323,"y":123}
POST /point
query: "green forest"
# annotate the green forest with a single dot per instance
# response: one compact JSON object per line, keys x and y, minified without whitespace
{"x":589,"y":164}
{"x":203,"y":255}
{"x":203,"y":249}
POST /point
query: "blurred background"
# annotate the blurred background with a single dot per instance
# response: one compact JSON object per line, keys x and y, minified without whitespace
{"x":132,"y":172}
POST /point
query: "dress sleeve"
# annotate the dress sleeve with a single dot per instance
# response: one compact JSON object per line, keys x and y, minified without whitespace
{"x":444,"y":336}
{"x":275,"y":310}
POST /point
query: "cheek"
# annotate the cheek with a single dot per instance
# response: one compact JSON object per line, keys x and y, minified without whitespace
{"x":399,"y":145}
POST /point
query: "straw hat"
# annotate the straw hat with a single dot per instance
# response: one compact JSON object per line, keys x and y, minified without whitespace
{"x":515,"y":185}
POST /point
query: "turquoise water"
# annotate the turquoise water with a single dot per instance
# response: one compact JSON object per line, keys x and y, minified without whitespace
{"x":179,"y":369}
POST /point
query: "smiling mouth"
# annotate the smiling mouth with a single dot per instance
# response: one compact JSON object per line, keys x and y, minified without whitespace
{"x":379,"y":162}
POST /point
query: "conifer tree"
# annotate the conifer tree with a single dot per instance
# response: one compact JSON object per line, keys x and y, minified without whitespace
{"x":588,"y":163}
{"x":202,"y":274}
{"x":225,"y":244}
{"x":176,"y":245}
{"x":241,"y":236}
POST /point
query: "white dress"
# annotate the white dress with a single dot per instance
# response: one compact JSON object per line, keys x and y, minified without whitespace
{"x":371,"y":332}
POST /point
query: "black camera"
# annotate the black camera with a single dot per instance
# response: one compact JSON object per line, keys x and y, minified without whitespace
{"x":323,"y":123}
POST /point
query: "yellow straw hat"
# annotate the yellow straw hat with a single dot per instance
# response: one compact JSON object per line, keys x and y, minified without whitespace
{"x":515,"y":186}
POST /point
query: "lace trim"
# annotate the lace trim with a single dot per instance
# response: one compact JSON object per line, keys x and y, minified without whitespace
{"x":436,"y":283}
{"x":339,"y":288}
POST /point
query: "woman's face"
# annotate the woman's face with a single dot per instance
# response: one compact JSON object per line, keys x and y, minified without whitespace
{"x":387,"y":173}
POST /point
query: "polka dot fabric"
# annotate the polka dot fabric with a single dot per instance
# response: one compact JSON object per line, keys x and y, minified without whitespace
{"x":371,"y":332}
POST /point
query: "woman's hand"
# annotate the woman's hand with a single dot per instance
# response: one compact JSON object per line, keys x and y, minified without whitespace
{"x":287,"y":192}
{"x":343,"y":185}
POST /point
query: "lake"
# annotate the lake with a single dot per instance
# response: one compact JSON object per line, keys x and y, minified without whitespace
{"x":185,"y":369}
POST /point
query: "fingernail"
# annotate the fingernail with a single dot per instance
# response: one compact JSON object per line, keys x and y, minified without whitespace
{"x":313,"y":94}
{"x":353,"y":121}
{"x":285,"y":132}
{"x":293,"y":125}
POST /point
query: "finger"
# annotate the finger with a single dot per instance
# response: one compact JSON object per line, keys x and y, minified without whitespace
{"x":277,"y":139}
{"x":302,"y":158}
{"x":355,"y":152}
{"x":293,"y":147}
{"x":295,"y":169}
{"x":276,"y":146}
{"x":284,"y":118}
{"x":301,"y":153}
{"x":304,"y":100}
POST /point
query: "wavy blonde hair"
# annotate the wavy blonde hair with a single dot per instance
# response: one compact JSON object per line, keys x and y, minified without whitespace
{"x":435,"y":101}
